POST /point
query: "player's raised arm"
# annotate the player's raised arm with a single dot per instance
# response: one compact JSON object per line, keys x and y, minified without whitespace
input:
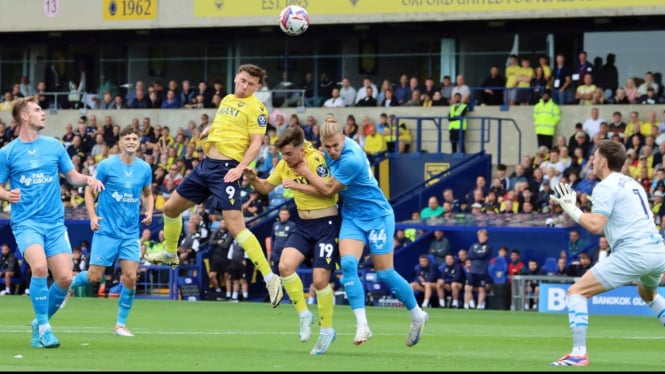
{"x":567,"y":198}
{"x":261,"y":185}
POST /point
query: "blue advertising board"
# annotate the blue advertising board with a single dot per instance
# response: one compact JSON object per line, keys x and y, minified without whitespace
{"x":620,"y":301}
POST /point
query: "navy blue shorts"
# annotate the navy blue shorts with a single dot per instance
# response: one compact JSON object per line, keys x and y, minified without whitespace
{"x":316,"y":239}
{"x":207,"y":179}
{"x":477,"y":280}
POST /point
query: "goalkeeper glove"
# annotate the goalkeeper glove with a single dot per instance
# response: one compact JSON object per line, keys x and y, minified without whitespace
{"x":567,"y":198}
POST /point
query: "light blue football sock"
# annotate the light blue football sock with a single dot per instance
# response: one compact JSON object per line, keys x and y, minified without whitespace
{"x":578,"y":320}
{"x":39,"y":295}
{"x":56,"y":295}
{"x":352,"y":285}
{"x":81,"y":279}
{"x":399,"y":287}
{"x":125,"y":302}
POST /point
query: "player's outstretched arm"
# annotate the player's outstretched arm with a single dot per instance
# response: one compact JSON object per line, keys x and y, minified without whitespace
{"x":77,"y":179}
{"x":567,"y":198}
{"x":261,"y":185}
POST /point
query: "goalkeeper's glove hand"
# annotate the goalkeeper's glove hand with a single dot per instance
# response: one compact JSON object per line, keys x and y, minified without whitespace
{"x":567,"y":198}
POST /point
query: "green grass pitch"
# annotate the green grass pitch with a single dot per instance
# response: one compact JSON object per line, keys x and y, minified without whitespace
{"x":222,"y":336}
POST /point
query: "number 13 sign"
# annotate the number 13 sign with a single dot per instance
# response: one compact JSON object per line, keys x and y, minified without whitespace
{"x":51,"y":8}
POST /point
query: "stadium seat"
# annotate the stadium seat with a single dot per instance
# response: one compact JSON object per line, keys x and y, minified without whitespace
{"x":550,"y":266}
{"x":374,"y":289}
{"x":499,"y":270}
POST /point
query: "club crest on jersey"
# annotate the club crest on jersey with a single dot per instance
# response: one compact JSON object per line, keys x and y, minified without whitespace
{"x":322,"y":171}
{"x":263,"y":120}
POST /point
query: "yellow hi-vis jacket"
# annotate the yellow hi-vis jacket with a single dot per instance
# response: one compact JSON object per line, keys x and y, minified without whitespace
{"x":455,"y":112}
{"x":546,"y":117}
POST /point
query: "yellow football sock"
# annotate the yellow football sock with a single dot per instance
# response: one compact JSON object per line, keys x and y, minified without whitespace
{"x":253,"y":248}
{"x":172,"y":230}
{"x":324,"y":300}
{"x":293,"y":286}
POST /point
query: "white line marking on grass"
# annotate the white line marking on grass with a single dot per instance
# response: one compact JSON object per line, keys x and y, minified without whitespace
{"x":16,"y":329}
{"x":20,"y":329}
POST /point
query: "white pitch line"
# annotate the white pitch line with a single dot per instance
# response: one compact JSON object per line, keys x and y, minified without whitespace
{"x":20,"y":329}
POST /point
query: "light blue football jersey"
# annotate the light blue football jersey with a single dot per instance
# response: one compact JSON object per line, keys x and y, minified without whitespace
{"x":34,"y":167}
{"x":630,"y":224}
{"x":361,"y":198}
{"x":119,"y":204}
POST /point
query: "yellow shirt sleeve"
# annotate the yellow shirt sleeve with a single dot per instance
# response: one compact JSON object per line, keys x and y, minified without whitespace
{"x":236,"y":119}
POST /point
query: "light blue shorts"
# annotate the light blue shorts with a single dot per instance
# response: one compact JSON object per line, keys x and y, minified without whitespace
{"x":378,"y":232}
{"x":105,"y":249}
{"x":52,"y":237}
{"x":625,"y":267}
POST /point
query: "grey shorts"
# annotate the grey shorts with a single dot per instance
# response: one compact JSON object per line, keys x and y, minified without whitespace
{"x":623,"y":267}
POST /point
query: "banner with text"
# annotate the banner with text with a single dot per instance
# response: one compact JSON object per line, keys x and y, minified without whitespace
{"x":253,"y":8}
{"x":129,"y":10}
{"x":619,"y":301}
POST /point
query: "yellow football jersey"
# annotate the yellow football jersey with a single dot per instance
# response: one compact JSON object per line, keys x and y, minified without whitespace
{"x":316,"y":163}
{"x":236,"y":119}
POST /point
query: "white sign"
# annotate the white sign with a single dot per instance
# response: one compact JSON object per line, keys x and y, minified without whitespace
{"x":51,"y":8}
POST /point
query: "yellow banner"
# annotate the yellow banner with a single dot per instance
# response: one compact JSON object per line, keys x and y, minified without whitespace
{"x":129,"y":10}
{"x":257,"y":8}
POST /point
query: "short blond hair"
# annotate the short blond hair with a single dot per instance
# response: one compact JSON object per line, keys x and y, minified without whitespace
{"x":18,"y":105}
{"x":330,"y":128}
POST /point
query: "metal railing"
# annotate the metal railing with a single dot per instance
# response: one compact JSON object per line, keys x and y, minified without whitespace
{"x":424,"y":129}
{"x":66,"y":99}
{"x":518,"y":287}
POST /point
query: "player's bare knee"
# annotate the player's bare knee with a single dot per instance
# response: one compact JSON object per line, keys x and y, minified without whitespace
{"x":129,"y":278}
{"x":285,"y":269}
{"x":320,"y":284}
{"x":39,"y":270}
{"x":170,"y":211}
{"x":63,"y":280}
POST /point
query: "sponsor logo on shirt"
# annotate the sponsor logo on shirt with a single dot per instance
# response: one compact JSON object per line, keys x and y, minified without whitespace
{"x":35,"y":178}
{"x":124,"y":198}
